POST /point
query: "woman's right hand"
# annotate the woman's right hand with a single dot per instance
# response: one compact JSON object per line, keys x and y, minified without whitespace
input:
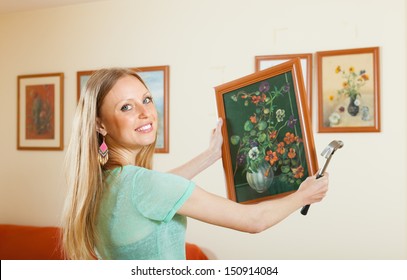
{"x":314,"y":190}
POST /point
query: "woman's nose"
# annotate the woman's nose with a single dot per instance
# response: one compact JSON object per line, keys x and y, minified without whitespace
{"x":143,"y":111}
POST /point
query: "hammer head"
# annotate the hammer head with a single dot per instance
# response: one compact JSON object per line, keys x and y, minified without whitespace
{"x":331,"y":148}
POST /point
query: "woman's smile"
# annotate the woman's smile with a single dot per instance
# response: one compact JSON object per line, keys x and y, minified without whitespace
{"x":145,"y":128}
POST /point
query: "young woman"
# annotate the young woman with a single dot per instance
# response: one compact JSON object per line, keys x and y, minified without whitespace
{"x":118,"y":207}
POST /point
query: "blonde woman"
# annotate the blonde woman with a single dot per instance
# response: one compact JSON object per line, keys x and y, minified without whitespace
{"x":118,"y":207}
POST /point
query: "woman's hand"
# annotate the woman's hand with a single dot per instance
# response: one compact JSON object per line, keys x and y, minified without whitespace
{"x":215,"y":145}
{"x":314,"y":190}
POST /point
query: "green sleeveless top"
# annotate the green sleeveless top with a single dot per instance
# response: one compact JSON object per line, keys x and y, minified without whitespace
{"x":137,"y":215}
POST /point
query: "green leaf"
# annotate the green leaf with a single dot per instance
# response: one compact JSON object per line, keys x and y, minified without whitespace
{"x":262,"y":137}
{"x":262,"y":125}
{"x":248,"y":126}
{"x":285,"y":169}
{"x":235,"y":139}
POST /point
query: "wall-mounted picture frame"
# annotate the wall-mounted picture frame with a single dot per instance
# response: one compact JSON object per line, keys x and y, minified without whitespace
{"x":266,"y":61}
{"x":82,"y":78}
{"x":268,"y":146}
{"x":349,"y":90}
{"x":40,"y":112}
{"x":157,"y":80}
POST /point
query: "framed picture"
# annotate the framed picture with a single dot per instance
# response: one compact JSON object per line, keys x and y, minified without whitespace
{"x":266,"y":61}
{"x":40,"y":106}
{"x":268,"y":147}
{"x":348,"y":90}
{"x":82,"y":78}
{"x":157,"y":80}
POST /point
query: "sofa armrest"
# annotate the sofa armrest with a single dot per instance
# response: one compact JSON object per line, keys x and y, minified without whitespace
{"x":193,"y":252}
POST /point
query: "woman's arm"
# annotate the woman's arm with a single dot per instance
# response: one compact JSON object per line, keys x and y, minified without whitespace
{"x":199,"y":163}
{"x":252,"y":218}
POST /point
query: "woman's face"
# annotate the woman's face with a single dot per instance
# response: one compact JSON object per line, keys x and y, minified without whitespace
{"x":128,"y":114}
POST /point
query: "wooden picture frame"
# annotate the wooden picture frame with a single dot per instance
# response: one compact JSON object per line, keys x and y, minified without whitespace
{"x":157,"y":80}
{"x":82,"y":78}
{"x":40,"y":112}
{"x":268,"y":146}
{"x":348,"y":90}
{"x":266,"y":61}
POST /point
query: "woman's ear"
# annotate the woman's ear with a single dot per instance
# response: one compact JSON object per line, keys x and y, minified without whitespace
{"x":100,"y":127}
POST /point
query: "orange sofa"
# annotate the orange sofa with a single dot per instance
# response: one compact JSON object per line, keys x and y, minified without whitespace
{"x":18,"y":242}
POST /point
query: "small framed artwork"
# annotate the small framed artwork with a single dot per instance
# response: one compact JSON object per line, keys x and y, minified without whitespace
{"x":157,"y":80}
{"x":348,"y":90}
{"x":266,"y":61}
{"x":40,"y":113}
{"x":268,"y":147}
{"x":82,"y":78}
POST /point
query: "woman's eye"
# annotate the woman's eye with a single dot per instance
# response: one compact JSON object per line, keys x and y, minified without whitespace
{"x":148,"y":99}
{"x":125,"y":107}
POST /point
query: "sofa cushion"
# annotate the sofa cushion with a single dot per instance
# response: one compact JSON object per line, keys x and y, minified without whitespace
{"x":29,"y":243}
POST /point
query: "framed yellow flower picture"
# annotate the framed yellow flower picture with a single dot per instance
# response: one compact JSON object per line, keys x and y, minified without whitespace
{"x":348,"y":90}
{"x":268,"y":147}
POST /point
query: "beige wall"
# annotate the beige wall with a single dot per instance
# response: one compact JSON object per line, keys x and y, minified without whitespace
{"x":207,"y":43}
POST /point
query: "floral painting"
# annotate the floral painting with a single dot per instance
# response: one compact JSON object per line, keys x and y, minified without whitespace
{"x":39,"y":122}
{"x":40,"y":111}
{"x":348,"y":90}
{"x":265,"y":138}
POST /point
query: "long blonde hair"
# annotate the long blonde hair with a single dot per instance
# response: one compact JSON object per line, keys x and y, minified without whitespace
{"x":83,"y":170}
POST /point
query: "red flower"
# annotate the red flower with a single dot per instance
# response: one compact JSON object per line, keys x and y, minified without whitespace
{"x":273,"y":135}
{"x":271,"y":157}
{"x":291,"y":154}
{"x":298,"y":172}
{"x":289,"y":138}
{"x":280,"y":148}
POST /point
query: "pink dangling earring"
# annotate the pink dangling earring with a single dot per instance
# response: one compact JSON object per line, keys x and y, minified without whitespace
{"x":103,"y":155}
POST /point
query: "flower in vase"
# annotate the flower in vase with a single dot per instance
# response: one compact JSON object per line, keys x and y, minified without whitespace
{"x":352,"y":81}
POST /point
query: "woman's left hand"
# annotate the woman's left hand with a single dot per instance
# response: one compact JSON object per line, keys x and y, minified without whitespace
{"x":215,"y":145}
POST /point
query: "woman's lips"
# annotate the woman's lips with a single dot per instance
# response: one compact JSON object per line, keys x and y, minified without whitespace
{"x":145,"y":128}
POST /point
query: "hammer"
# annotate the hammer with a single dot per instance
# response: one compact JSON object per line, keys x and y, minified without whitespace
{"x":327,"y":153}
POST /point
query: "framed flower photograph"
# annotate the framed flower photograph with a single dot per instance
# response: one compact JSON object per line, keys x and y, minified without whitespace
{"x":268,"y":147}
{"x":266,"y":61}
{"x":348,"y":90}
{"x":40,"y":101}
{"x":157,"y":81}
